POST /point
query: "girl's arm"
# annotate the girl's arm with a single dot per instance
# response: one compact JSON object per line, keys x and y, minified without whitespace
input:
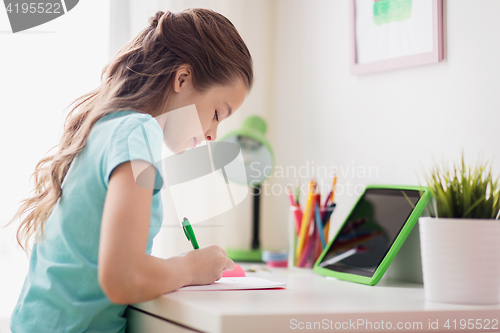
{"x":126,"y":273}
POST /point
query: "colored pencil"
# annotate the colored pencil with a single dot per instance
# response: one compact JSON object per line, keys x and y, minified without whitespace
{"x":327,"y":222}
{"x":297,"y":192}
{"x":306,"y":219}
{"x":319,"y":224}
{"x":297,"y":211}
{"x":333,"y":188}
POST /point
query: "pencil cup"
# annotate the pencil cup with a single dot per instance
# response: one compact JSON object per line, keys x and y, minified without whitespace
{"x":292,"y":235}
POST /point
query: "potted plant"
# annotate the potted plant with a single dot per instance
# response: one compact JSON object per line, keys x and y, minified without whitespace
{"x":460,"y":242}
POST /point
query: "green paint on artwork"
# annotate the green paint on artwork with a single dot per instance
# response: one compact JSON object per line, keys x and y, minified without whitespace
{"x":387,"y":11}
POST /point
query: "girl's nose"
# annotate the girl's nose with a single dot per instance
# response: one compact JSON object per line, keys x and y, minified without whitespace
{"x":211,"y":137}
{"x":211,"y":133}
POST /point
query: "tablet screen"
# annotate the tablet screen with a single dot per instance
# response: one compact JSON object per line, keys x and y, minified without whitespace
{"x":369,"y":231}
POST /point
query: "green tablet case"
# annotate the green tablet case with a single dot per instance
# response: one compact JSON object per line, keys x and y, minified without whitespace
{"x":394,"y":248}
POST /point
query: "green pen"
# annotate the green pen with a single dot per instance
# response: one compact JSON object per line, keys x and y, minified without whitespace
{"x":188,"y":230}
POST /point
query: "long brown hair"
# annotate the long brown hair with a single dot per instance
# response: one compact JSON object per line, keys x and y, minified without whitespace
{"x":139,"y":77}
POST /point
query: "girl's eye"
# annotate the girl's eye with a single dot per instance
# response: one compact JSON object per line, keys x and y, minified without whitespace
{"x":216,"y":117}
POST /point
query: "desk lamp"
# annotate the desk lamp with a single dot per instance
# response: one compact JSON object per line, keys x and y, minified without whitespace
{"x":258,"y":160}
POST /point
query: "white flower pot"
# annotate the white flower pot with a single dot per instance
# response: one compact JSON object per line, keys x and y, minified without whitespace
{"x":460,"y":260}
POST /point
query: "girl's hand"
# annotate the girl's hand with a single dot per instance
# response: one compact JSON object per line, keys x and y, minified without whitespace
{"x":126,"y":274}
{"x":206,"y":264}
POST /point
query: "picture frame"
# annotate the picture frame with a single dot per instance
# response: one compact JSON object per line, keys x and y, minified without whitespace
{"x":394,"y":34}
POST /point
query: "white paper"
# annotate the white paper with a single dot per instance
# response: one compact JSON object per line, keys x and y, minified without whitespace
{"x":236,"y":283}
{"x":395,"y":39}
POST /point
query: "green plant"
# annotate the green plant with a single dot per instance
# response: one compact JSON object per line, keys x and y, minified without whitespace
{"x":464,"y":192}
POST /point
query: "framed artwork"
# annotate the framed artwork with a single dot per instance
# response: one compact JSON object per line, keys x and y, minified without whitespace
{"x":391,"y":34}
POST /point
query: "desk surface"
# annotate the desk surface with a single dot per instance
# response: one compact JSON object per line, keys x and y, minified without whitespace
{"x":315,"y":303}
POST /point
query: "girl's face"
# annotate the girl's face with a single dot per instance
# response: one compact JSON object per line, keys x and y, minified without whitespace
{"x":193,"y":117}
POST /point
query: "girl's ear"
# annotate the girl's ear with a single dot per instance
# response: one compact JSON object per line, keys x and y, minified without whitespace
{"x":182,"y":77}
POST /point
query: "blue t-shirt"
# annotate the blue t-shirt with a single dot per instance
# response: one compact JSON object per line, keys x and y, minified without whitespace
{"x":61,"y":292}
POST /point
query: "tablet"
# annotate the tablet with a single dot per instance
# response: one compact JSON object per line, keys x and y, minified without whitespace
{"x":373,"y":233}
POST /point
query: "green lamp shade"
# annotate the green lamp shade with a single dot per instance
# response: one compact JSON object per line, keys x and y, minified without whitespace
{"x":258,"y":157}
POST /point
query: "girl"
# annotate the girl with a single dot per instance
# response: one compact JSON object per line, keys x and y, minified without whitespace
{"x":93,"y":225}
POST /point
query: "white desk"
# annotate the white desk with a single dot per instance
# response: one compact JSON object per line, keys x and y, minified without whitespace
{"x":308,"y":298}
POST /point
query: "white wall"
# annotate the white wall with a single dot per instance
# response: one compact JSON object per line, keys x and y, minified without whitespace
{"x":393,"y":121}
{"x":42,"y":71}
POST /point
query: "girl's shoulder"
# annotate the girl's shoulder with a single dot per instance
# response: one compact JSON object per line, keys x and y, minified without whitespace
{"x":124,"y":122}
{"x":123,"y":136}
{"x":124,"y":116}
